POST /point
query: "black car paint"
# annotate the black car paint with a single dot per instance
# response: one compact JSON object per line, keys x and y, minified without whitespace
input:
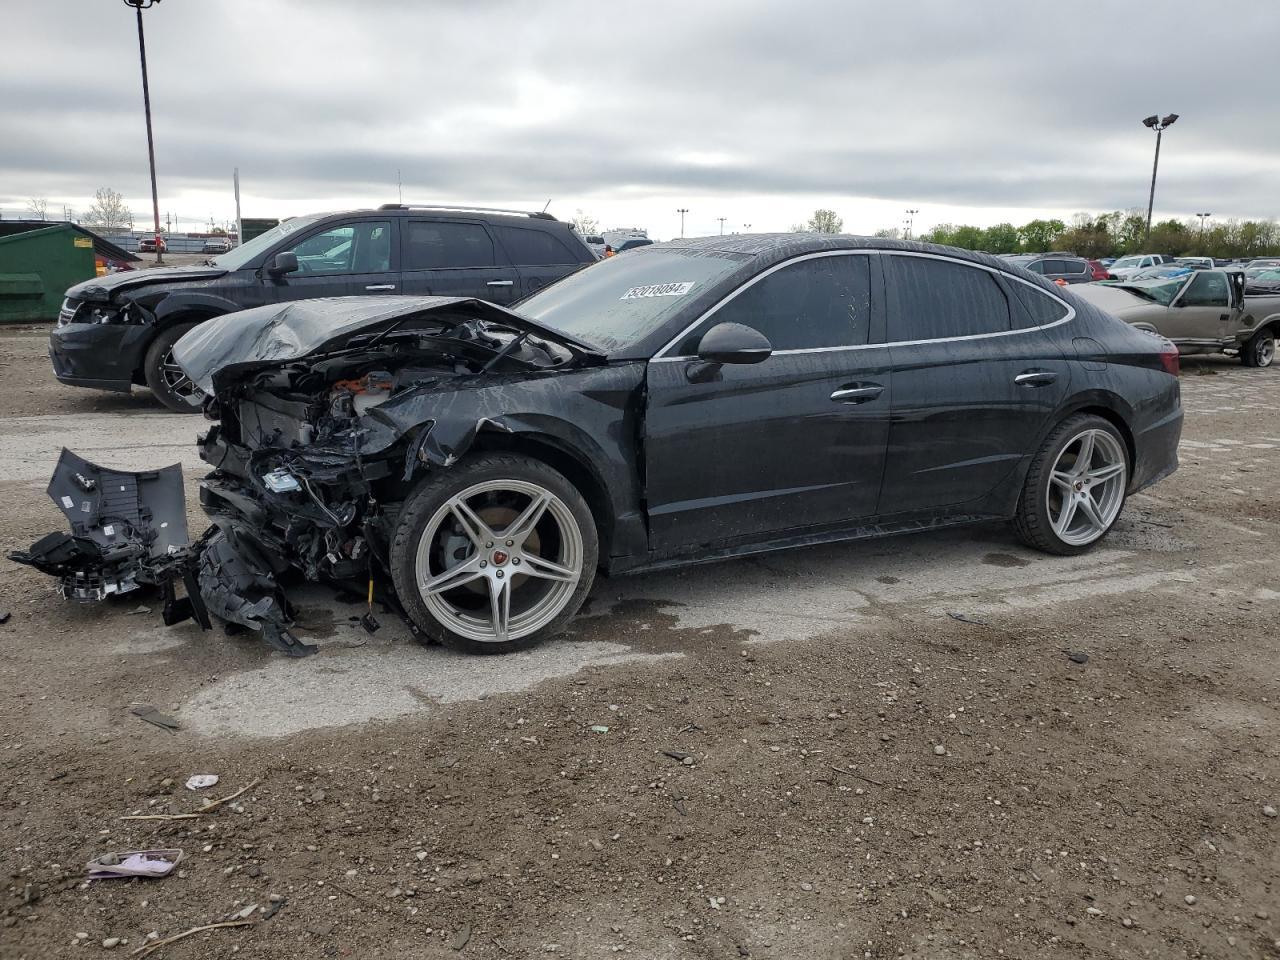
{"x":683,"y":468}
{"x":109,"y":356}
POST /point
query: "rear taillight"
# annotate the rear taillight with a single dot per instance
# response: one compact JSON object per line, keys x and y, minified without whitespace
{"x":1169,"y":359}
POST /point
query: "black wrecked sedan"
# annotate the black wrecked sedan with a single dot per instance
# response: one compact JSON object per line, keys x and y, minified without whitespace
{"x":476,"y":465}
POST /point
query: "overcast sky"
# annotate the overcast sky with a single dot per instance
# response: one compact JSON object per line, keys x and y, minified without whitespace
{"x":755,"y":111}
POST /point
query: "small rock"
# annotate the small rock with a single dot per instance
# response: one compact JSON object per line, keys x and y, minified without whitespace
{"x":395,"y":892}
{"x":247,"y":912}
{"x":82,"y":936}
{"x":833,"y":715}
{"x":461,"y":937}
{"x":317,"y":796}
{"x":1262,"y":915}
{"x":939,"y":750}
{"x":275,"y":898}
{"x":421,"y":855}
{"x":1190,"y":899}
{"x":141,"y":609}
{"x":1268,"y":811}
{"x":4,"y":616}
{"x":688,"y":761}
{"x":1093,"y":911}
{"x":1126,"y":923}
{"x":1077,"y":656}
{"x":253,"y":870}
{"x":806,"y":887}
{"x":110,"y":942}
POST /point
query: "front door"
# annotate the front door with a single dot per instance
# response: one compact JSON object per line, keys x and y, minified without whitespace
{"x":1201,"y":313}
{"x":741,"y":453}
{"x":351,"y":259}
{"x":456,"y":258}
{"x":972,"y":387}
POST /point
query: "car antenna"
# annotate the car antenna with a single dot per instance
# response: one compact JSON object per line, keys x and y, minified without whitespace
{"x":547,"y":204}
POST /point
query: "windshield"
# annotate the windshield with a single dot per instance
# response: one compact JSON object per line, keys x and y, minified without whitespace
{"x":237,"y":258}
{"x":1160,"y":291}
{"x":619,"y":301}
{"x":1128,"y":262}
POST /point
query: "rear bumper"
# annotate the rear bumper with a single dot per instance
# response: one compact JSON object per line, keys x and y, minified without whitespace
{"x":1156,"y":451}
{"x":102,"y":356}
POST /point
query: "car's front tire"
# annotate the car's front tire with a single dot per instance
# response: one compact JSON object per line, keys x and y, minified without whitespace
{"x":1259,"y":350}
{"x":1075,"y":488}
{"x":494,"y":554}
{"x":166,"y":379}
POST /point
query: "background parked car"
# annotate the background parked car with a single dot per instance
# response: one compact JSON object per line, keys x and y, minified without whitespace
{"x":148,"y":245}
{"x":1099,"y":271}
{"x":1054,"y":266}
{"x":1126,"y":267}
{"x":216,"y":245}
{"x":1195,"y":263}
{"x":115,"y":332}
{"x":1164,"y":271}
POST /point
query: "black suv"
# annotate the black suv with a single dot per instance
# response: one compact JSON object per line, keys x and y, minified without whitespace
{"x":119,"y":330}
{"x":1056,"y":266}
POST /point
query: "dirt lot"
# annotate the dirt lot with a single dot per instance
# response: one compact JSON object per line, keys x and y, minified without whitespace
{"x":867,"y":775}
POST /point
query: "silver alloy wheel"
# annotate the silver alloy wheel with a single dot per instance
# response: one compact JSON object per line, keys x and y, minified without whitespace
{"x":175,"y":378}
{"x":495,"y":585}
{"x":1086,"y":487}
{"x":1264,"y":351}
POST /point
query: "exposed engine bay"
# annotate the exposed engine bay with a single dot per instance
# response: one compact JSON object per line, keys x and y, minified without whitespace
{"x":319,"y":435}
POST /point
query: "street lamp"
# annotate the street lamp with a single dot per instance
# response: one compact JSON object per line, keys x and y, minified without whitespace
{"x":722,"y":220}
{"x":138,"y":7}
{"x":911,"y":221}
{"x":1159,"y":125}
{"x":682,"y":211}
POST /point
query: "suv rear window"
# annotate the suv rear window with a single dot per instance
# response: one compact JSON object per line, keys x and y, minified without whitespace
{"x":533,"y":247}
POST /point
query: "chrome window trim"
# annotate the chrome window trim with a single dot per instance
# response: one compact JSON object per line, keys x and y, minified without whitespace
{"x":660,"y":357}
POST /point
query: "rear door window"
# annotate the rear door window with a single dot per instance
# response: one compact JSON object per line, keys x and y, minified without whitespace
{"x":532,"y":247}
{"x":938,"y":299}
{"x":447,"y":245}
{"x":1055,"y":267}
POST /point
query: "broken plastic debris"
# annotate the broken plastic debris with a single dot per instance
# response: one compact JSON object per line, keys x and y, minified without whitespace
{"x":1077,"y":656}
{"x":133,"y":863}
{"x":599,"y":728}
{"x":967,"y":618}
{"x":147,"y":712}
{"x":200,"y":781}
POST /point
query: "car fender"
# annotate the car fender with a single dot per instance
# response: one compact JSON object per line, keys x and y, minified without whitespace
{"x":180,"y":306}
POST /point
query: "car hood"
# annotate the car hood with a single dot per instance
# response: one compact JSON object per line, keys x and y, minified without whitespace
{"x":103,"y":288}
{"x":1113,"y":299}
{"x":225,"y":347}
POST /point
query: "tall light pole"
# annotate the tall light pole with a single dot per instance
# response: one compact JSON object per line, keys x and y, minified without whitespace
{"x":722,"y":220}
{"x":1159,"y":125}
{"x":138,"y":7}
{"x":746,"y":227}
{"x":1203,"y":217}
{"x":682,"y":211}
{"x":911,"y":221}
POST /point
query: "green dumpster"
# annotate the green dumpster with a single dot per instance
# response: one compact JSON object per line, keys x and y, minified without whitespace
{"x":36,"y":268}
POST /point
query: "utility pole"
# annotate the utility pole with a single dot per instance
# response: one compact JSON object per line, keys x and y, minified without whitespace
{"x":138,"y":7}
{"x":239,"y":224}
{"x":911,"y":221}
{"x":1159,"y":125}
{"x":682,"y":211}
{"x":722,"y":220}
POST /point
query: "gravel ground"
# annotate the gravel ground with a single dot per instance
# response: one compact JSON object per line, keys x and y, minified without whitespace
{"x":807,"y":754}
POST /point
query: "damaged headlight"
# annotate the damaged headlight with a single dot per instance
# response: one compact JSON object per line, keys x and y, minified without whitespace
{"x":108,"y":314}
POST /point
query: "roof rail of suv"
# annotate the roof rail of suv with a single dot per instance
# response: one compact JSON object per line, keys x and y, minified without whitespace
{"x":537,"y":215}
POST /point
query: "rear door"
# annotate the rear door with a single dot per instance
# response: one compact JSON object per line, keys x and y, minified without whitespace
{"x":356,"y":258}
{"x":455,"y":257}
{"x":1202,"y":311}
{"x":749,"y":452}
{"x":539,"y":255}
{"x":974,"y":382}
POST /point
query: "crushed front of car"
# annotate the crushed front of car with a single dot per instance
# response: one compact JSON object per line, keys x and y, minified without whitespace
{"x":326,"y":411}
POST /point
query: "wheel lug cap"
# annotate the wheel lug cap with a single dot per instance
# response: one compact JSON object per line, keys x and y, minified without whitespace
{"x":511,"y":543}
{"x":488,"y":545}
{"x":483,"y":564}
{"x":515,"y":562}
{"x":499,"y":574}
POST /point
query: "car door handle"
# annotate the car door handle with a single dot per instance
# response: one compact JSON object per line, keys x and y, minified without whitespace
{"x":381,"y":286}
{"x":857,"y":394}
{"x":1035,"y":378}
{"x":500,"y":283}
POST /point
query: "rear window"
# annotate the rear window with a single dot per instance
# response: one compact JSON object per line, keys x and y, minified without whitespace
{"x":442,"y":244}
{"x":533,"y":247}
{"x":939,"y":299}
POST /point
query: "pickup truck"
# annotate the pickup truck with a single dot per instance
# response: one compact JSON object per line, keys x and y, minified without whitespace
{"x":1126,"y":267}
{"x":1204,"y":311}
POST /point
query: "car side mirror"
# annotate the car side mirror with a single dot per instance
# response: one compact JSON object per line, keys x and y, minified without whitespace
{"x":283,"y":263}
{"x":734,"y":343}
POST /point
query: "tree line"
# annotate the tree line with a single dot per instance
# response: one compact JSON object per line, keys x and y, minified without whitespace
{"x":1115,"y":234}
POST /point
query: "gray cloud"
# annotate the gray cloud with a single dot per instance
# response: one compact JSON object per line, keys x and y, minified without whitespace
{"x":996,"y":105}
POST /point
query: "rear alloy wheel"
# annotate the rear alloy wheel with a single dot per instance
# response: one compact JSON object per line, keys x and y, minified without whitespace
{"x":494,"y":555}
{"x":1259,"y":350}
{"x":167,"y":381}
{"x":1075,"y":488}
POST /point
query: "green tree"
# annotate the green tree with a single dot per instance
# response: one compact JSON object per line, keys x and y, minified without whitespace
{"x":1001,"y":238}
{"x":1038,"y":235}
{"x":889,"y":233}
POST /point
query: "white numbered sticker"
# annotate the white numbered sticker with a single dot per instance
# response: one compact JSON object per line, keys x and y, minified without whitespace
{"x":676,"y":289}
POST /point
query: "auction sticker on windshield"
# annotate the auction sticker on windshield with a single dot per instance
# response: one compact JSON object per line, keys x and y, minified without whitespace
{"x":676,"y":289}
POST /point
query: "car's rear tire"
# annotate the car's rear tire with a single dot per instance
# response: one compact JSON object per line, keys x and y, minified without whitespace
{"x":1259,"y":350}
{"x":1075,"y":488}
{"x":170,"y":385}
{"x":494,"y":554}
